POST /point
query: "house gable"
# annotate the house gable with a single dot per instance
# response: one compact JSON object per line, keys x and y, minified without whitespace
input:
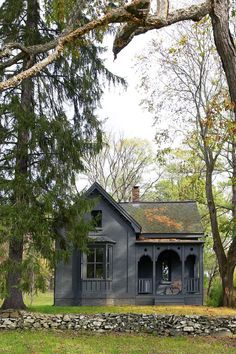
{"x":96,"y":189}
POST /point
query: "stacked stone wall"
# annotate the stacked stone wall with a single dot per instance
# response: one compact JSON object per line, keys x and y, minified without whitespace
{"x":162,"y":325}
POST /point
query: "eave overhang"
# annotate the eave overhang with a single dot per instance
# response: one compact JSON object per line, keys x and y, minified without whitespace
{"x":170,"y":235}
{"x":171,"y":240}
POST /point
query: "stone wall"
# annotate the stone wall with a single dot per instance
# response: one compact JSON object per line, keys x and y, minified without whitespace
{"x":163,"y":325}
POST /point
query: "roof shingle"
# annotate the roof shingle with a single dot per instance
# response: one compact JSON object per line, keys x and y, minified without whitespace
{"x":166,"y":217}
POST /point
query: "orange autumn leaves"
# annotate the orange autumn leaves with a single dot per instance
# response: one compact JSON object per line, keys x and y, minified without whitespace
{"x":158,"y":215}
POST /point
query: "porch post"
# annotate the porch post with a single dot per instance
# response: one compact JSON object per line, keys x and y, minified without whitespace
{"x":183,"y":269}
{"x":154,"y":270}
{"x":201,"y":272}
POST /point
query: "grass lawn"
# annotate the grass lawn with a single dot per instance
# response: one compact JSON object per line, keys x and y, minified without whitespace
{"x":58,"y":342}
{"x":70,"y":342}
{"x":43,"y":303}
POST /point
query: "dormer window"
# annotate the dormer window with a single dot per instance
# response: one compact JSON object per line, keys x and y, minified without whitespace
{"x":97,"y":218}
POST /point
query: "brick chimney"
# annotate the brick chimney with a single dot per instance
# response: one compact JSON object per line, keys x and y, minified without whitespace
{"x":135,"y":194}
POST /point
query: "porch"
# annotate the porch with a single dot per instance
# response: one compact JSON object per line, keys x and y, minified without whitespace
{"x":170,"y":274}
{"x":192,"y":286}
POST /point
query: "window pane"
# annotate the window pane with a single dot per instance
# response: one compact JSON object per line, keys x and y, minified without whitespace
{"x":109,"y":254}
{"x":90,"y":256}
{"x":90,"y":271}
{"x":99,"y":255}
{"x":97,"y":218}
{"x":99,"y":271}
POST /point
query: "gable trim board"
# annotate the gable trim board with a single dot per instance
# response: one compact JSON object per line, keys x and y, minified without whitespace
{"x":139,"y":262}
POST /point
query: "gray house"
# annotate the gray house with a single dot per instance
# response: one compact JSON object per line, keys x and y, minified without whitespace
{"x":141,"y":253}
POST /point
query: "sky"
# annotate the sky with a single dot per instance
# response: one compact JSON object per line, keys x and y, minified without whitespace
{"x":121,"y":106}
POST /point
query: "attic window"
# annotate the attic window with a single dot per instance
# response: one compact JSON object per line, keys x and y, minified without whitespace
{"x":97,"y":218}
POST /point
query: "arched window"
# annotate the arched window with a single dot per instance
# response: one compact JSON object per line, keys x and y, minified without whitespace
{"x":168,"y":266}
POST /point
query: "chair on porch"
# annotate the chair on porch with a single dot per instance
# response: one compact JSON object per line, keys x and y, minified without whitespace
{"x":174,"y":288}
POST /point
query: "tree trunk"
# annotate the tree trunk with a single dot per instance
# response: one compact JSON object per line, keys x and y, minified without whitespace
{"x":211,"y":278}
{"x":14,"y":297}
{"x":227,"y":50}
{"x":225,"y":44}
{"x":226,"y":263}
{"x":229,"y":293}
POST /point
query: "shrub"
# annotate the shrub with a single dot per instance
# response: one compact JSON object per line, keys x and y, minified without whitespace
{"x":215,"y":298}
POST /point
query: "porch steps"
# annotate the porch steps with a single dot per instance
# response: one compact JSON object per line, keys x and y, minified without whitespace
{"x":169,"y":300}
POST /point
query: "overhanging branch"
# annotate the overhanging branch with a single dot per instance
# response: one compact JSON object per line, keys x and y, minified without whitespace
{"x":162,"y":19}
{"x":137,"y":20}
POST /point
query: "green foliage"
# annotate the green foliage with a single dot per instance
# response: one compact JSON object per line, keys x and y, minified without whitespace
{"x":48,"y":124}
{"x":216,"y":294}
{"x":182,"y":179}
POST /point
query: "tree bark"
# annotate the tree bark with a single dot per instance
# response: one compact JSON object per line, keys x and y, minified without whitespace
{"x":227,"y":50}
{"x":226,"y":262}
{"x":211,"y":278}
{"x":14,"y":297}
{"x":225,"y":44}
{"x":229,"y":293}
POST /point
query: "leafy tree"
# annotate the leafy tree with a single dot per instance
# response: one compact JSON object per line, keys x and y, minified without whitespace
{"x":42,"y":145}
{"x":184,"y":179}
{"x":197,"y":88}
{"x":15,"y":55}
{"x":120,"y":165}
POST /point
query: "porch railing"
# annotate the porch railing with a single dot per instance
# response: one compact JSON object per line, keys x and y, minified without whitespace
{"x":145,"y":286}
{"x":192,"y":285}
{"x":96,"y":285}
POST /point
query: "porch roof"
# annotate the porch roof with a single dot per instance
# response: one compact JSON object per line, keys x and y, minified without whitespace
{"x":167,"y":240}
{"x":166,"y":217}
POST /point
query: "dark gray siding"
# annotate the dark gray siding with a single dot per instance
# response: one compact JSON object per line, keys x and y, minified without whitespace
{"x":69,"y":287}
{"x":66,"y":282}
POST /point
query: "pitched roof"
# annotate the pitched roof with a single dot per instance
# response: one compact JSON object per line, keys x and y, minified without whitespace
{"x":166,"y":217}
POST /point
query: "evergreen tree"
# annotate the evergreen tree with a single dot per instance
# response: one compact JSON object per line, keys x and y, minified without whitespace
{"x":42,"y":145}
